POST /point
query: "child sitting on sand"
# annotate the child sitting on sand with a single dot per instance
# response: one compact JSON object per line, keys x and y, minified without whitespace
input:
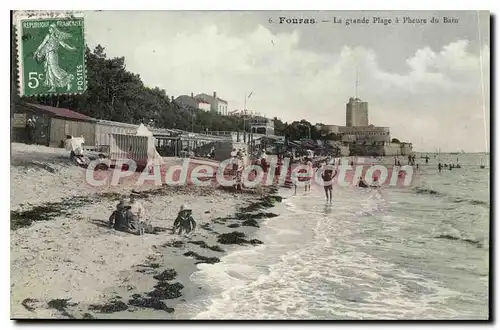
{"x":138,"y":210}
{"x":122,"y":219}
{"x":184,"y":220}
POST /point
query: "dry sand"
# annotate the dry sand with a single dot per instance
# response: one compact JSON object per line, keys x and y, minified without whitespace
{"x":75,"y":255}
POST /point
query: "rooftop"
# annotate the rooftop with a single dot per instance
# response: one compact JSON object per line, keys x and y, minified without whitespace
{"x":58,"y":112}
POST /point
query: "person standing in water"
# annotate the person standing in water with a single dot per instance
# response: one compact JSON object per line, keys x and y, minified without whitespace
{"x":310,"y":172}
{"x":327,"y":177}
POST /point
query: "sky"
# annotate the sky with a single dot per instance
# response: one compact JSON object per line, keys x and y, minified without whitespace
{"x":428,"y":82}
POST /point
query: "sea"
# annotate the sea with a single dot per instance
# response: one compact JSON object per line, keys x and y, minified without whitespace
{"x":408,"y":253}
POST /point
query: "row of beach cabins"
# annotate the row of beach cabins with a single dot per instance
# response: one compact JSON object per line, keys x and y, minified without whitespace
{"x":52,"y":125}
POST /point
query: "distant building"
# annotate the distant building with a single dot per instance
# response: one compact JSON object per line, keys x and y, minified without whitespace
{"x":328,"y":129}
{"x":217,"y":105}
{"x":193,"y":102}
{"x":363,"y":138}
{"x":369,"y":133}
{"x":356,"y":113}
{"x":243,"y":113}
{"x":366,"y":133}
{"x":261,"y":125}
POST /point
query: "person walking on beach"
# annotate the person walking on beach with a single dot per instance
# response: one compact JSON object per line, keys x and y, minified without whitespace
{"x":440,"y":167}
{"x":327,"y":177}
{"x":184,"y":220}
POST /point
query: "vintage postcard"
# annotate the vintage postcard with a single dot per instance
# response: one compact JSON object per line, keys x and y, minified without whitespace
{"x":250,"y":165}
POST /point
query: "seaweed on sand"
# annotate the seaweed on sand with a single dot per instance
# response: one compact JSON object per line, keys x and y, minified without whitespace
{"x":255,"y":216}
{"x":19,"y":219}
{"x":50,"y":210}
{"x":233,"y":225}
{"x":202,"y":259}
{"x":165,"y":290}
{"x":153,"y":303}
{"x":250,"y":223}
{"x":152,"y":265}
{"x":206,"y":246}
{"x":166,"y":275}
{"x":176,"y":244}
{"x":263,"y":203}
{"x":27,"y":303}
{"x":110,"y":307}
{"x":236,"y":238}
{"x":60,"y":304}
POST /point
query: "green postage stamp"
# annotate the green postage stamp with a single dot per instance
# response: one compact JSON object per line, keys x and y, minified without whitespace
{"x":50,"y":53}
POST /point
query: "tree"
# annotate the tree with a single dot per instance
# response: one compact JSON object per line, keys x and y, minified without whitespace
{"x":114,"y":93}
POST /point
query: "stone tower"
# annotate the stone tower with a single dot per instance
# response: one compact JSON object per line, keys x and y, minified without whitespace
{"x":356,"y":113}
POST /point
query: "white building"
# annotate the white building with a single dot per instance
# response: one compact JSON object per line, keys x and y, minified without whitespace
{"x":217,"y":105}
{"x":261,"y":125}
{"x":193,"y":102}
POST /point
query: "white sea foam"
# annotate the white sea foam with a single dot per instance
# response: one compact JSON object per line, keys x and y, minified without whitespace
{"x":359,"y":258}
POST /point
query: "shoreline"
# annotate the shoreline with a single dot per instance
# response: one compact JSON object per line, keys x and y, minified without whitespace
{"x":67,"y":265}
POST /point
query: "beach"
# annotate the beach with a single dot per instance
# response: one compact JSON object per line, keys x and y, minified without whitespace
{"x":407,"y":252}
{"x":66,"y":262}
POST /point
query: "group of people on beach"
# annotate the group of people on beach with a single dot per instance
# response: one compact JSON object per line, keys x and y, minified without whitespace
{"x":451,"y":166}
{"x":130,"y":217}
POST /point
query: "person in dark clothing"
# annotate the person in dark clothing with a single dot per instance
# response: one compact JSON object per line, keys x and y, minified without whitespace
{"x":122,"y":219}
{"x":327,"y":177}
{"x":184,"y":220}
{"x":30,"y":130}
{"x":440,"y":167}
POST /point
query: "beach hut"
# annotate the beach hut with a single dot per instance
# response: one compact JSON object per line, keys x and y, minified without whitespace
{"x":139,"y":147}
{"x":52,"y":124}
{"x":103,"y":129}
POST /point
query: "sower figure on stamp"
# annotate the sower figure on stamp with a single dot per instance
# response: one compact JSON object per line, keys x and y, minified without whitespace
{"x":184,"y":220}
{"x":55,"y":76}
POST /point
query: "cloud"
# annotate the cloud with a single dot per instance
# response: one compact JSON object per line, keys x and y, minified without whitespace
{"x":436,"y":102}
